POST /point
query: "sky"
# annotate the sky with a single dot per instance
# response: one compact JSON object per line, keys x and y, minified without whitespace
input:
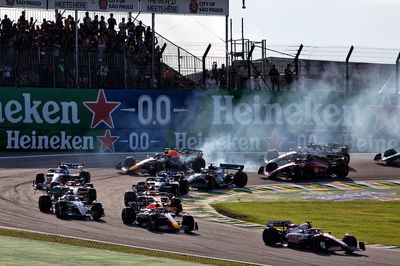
{"x":362,"y":23}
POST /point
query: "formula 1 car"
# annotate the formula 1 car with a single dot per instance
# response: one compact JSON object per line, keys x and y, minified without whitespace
{"x":85,"y":191}
{"x":219,"y":177}
{"x":308,"y":166}
{"x":167,"y":182}
{"x":71,"y":206}
{"x":61,"y":175}
{"x":175,"y":160}
{"x":391,"y":157}
{"x":155,"y":217}
{"x":330,"y":150}
{"x":304,"y":236}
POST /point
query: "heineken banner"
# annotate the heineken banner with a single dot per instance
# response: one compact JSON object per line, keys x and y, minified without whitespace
{"x":222,"y":121}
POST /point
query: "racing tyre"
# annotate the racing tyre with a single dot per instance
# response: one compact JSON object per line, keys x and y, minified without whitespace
{"x":272,"y":154}
{"x":129,"y":162}
{"x":298,"y":172}
{"x":60,"y":209}
{"x":89,"y":185}
{"x":44,"y":203}
{"x":351,"y":241}
{"x":129,"y":197}
{"x":85,"y":176}
{"x":271,"y":167}
{"x":240,"y":179}
{"x":211,"y":183}
{"x":198,"y":164}
{"x":183,"y":187}
{"x":92,"y":194}
{"x":316,"y":243}
{"x":155,"y":168}
{"x":346,"y":158}
{"x":389,"y":152}
{"x":342,"y":171}
{"x":188,"y":223}
{"x":39,"y":179}
{"x":176,"y":203}
{"x":97,"y":210}
{"x":151,"y":223}
{"x":271,"y":236}
{"x":128,"y":216}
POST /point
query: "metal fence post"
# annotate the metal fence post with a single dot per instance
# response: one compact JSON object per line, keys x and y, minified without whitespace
{"x":347,"y":68}
{"x":397,"y":74}
{"x":204,"y":63}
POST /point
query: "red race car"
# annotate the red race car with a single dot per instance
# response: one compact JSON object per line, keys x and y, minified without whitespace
{"x":309,"y":165}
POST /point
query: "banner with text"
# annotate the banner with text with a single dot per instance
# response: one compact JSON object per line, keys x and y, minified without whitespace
{"x":222,"y":121}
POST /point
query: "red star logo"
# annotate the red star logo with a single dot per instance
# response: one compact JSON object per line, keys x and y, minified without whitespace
{"x":102,"y":110}
{"x":107,"y":141}
{"x":274,"y":142}
{"x":385,"y":114}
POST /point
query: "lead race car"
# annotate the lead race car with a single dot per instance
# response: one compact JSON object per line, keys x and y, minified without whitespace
{"x":174,"y":160}
{"x":305,"y":236}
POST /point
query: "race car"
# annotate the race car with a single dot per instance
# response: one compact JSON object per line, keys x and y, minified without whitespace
{"x":71,"y":205}
{"x":331,"y":150}
{"x":175,"y":160}
{"x":60,"y":175}
{"x":305,"y":236}
{"x":139,"y":198}
{"x":219,"y":177}
{"x":391,"y":157}
{"x":156,"y":217}
{"x":168,"y":182}
{"x":86,"y":191}
{"x":308,"y":165}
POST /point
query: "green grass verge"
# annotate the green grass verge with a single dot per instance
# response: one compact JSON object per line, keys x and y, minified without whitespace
{"x":46,"y":253}
{"x":107,"y":246}
{"x":374,"y":222}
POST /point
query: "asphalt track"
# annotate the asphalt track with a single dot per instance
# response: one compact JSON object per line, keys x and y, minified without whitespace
{"x":18,"y":209}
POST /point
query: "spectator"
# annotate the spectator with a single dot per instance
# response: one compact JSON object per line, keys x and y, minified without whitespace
{"x":274,"y":77}
{"x":257,"y":82}
{"x":288,"y":76}
{"x":122,"y":26}
{"x":139,"y":30}
{"x":6,"y":24}
{"x":95,"y":25}
{"x":111,"y":22}
{"x":102,"y":25}
{"x":222,"y":77}
{"x":211,"y":83}
{"x":130,"y":23}
{"x":214,"y":71}
{"x":87,"y":21}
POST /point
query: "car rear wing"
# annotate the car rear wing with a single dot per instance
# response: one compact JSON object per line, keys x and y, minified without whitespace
{"x":189,"y":151}
{"x":72,"y":165}
{"x":226,"y":166}
{"x":279,"y":223}
{"x":58,"y":190}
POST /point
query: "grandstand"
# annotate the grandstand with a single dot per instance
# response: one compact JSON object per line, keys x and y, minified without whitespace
{"x":38,"y":50}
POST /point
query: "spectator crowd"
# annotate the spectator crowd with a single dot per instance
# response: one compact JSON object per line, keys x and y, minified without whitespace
{"x":99,"y":35}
